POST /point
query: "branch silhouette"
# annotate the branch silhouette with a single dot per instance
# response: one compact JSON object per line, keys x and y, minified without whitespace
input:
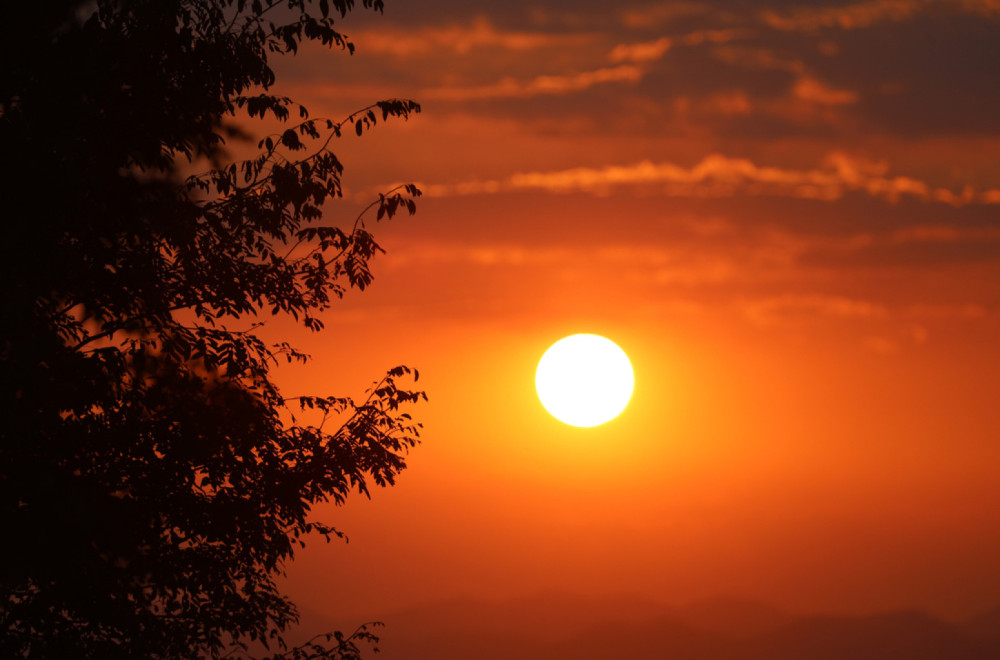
{"x":154,"y":479}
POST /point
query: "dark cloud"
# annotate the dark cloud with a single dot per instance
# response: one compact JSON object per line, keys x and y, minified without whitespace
{"x":924,"y":72}
{"x":928,"y":76}
{"x":913,"y":255}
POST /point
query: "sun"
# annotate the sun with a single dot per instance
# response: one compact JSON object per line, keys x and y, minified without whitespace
{"x":584,"y":380}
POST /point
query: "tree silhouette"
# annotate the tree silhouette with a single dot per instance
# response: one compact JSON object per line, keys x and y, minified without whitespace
{"x":153,"y":479}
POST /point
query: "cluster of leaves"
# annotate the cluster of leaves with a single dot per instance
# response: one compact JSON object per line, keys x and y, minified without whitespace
{"x":334,"y":646}
{"x":153,"y":479}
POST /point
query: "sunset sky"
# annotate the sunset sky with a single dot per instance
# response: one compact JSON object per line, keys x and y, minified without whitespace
{"x":788,"y":216}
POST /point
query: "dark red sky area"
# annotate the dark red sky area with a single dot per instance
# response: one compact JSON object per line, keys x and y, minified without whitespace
{"x":788,"y":215}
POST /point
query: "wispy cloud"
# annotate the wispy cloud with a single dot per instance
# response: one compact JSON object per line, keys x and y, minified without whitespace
{"x":858,"y":15}
{"x":438,"y":252}
{"x":461,"y":39}
{"x":723,"y":176}
{"x":810,"y":89}
{"x":890,"y":333}
{"x":545,"y":84}
{"x":711,"y":36}
{"x":642,"y":51}
{"x":945,"y":234}
{"x":768,"y":311}
{"x":807,"y":87}
{"x":757,"y":58}
{"x":661,"y":13}
{"x":641,"y":265}
{"x":865,"y":14}
{"x":646,"y":51}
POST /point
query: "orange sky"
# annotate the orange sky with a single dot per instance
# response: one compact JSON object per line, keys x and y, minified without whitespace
{"x":787,"y":215}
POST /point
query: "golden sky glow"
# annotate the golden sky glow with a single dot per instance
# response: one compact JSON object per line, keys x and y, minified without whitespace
{"x":789,"y":212}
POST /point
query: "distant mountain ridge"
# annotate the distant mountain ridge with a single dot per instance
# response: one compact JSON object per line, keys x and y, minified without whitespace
{"x":567,"y":627}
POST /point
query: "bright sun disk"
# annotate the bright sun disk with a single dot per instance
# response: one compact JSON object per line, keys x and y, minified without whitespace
{"x":584,"y":380}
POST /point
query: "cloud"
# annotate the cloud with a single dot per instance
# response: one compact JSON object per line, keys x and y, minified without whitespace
{"x":477,"y":254}
{"x":757,"y":58}
{"x":546,"y":84}
{"x":893,"y":333}
{"x":768,"y":311}
{"x":641,"y":52}
{"x":987,"y":8}
{"x":920,"y":245}
{"x":948,"y":311}
{"x":910,"y":335}
{"x":727,"y":104}
{"x":647,"y":51}
{"x":806,"y":87}
{"x":460,"y":39}
{"x":810,"y":89}
{"x":717,"y":175}
{"x":660,"y":13}
{"x":639,"y":265}
{"x":710,"y":36}
{"x":866,"y":14}
{"x":858,"y":15}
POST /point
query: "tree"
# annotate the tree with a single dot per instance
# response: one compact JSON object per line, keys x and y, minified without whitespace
{"x":154,"y":479}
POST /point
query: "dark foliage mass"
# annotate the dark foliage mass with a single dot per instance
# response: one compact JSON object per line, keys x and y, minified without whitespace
{"x":153,"y":479}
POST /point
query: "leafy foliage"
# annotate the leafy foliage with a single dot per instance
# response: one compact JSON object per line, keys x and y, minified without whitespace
{"x":153,"y":479}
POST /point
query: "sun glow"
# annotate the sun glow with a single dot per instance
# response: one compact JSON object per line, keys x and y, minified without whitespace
{"x":584,"y":380}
